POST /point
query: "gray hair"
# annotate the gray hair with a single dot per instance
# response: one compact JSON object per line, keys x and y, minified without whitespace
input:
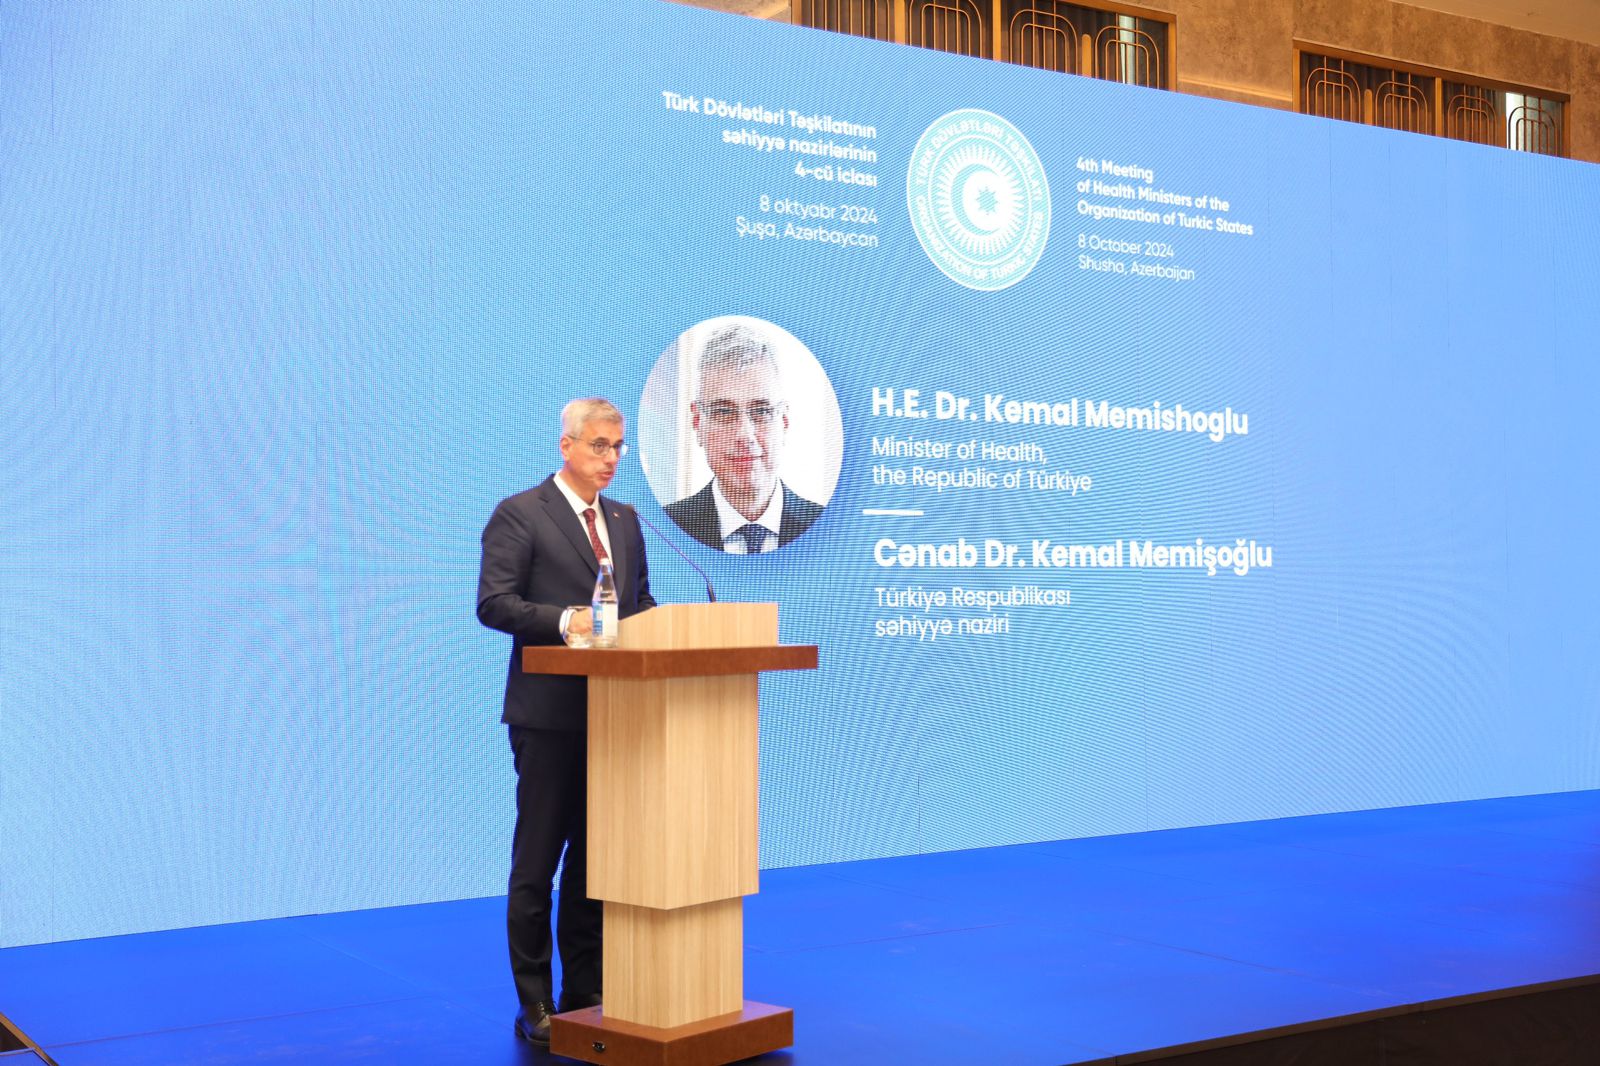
{"x":580,"y":413}
{"x":736,"y":347}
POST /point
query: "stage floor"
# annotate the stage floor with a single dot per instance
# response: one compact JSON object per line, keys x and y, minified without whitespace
{"x":1054,"y":953}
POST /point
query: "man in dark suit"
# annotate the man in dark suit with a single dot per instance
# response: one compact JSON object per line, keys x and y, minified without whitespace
{"x":740,"y":418}
{"x":697,"y":516}
{"x":541,"y":552}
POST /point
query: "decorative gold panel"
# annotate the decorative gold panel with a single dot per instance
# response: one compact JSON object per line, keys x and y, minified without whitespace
{"x":1070,"y":38}
{"x":958,"y":26}
{"x":1123,"y":53}
{"x":1045,"y":40}
{"x":860,"y":18}
{"x":1402,"y":104}
{"x":1332,"y":92}
{"x":1471,"y":114}
{"x":1382,"y":92}
{"x":1535,"y":126}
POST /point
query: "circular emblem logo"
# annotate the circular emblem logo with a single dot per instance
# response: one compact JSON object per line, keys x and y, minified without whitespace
{"x":979,"y":199}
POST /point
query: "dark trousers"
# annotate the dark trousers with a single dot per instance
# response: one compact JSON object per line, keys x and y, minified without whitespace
{"x":552,"y":814}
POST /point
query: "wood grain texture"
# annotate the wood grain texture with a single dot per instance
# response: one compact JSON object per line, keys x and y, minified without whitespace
{"x":673,"y":786}
{"x":701,"y":625}
{"x":664,"y":663}
{"x":672,"y":967}
{"x":594,"y":1036}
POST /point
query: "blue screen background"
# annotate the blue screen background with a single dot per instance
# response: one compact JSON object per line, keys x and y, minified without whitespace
{"x":291,"y":295}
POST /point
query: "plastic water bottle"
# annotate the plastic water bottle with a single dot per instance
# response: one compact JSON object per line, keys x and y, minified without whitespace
{"x":603,"y":608}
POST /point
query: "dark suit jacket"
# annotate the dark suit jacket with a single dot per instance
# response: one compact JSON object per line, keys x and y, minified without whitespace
{"x":537,"y":562}
{"x":697,"y":516}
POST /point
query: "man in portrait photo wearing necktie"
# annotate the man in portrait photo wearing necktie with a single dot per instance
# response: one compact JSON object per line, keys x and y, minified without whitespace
{"x":541,"y":552}
{"x":740,"y":416}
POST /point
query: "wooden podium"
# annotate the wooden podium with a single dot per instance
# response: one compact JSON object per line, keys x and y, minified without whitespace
{"x":673,"y":780}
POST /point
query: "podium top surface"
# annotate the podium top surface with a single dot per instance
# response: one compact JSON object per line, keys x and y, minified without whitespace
{"x":646,"y":663}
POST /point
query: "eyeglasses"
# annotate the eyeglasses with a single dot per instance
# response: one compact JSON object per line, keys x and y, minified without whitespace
{"x":725,"y":414}
{"x":602,"y":447}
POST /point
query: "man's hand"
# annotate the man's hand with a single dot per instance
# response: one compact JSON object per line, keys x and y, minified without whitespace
{"x":581,"y":623}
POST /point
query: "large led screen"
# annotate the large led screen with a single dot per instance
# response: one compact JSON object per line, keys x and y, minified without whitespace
{"x":1146,"y":461}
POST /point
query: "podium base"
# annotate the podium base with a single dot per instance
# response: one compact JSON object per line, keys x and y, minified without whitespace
{"x":589,"y":1036}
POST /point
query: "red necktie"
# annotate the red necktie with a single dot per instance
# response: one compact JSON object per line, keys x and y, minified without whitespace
{"x":594,"y":536}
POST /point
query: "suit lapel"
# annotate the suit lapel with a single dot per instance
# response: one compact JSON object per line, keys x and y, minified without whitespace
{"x":571,"y":526}
{"x":621,"y":544}
{"x":788,"y":525}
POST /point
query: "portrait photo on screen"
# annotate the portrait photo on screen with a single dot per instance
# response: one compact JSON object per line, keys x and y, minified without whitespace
{"x":740,"y":435}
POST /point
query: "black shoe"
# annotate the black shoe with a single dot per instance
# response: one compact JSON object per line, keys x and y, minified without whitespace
{"x":579,"y":1002}
{"x":533,"y":1022}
